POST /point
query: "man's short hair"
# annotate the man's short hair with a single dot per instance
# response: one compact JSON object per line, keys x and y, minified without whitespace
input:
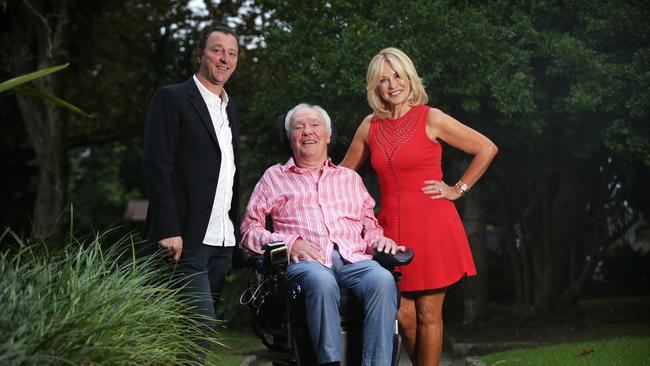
{"x":323,"y":113}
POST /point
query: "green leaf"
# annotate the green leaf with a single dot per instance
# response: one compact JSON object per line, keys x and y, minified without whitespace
{"x":52,"y":99}
{"x":12,"y":83}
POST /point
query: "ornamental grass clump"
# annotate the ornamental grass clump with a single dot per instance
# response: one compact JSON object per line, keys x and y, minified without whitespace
{"x":90,"y":303}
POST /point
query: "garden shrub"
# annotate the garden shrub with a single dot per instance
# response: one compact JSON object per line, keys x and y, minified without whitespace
{"x":91,"y":303}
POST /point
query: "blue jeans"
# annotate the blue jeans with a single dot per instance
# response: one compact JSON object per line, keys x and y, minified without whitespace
{"x":203,"y":274}
{"x":371,"y":283}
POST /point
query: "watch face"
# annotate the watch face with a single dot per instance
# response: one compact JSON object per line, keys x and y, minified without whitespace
{"x":463,"y":188}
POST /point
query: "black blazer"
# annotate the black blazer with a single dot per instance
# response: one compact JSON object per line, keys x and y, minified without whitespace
{"x":181,"y":164}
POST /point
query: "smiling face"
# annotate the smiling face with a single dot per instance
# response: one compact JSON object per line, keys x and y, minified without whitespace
{"x":217,"y":61}
{"x":393,"y":90}
{"x":309,"y":138}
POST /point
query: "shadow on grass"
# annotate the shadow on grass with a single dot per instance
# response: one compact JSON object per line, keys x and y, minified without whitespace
{"x":600,"y":319}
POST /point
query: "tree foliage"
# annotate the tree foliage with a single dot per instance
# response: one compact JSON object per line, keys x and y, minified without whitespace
{"x":120,"y":53}
{"x":578,"y":203}
{"x":561,"y":87}
{"x":558,"y":86}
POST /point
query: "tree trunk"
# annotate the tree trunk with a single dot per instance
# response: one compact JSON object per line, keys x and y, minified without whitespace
{"x":514,"y":247}
{"x":45,"y":129}
{"x":38,"y":29}
{"x":476,"y":289}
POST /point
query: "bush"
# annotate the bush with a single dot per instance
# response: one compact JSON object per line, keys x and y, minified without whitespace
{"x":84,"y":304}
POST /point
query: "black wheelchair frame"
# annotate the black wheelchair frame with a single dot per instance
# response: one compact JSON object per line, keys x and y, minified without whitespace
{"x":278,"y":312}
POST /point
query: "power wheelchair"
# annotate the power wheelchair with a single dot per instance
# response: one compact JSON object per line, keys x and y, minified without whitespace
{"x":277,"y":307}
{"x":278,"y":312}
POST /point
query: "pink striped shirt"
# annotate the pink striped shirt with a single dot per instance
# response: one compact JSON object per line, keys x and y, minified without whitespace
{"x":325,"y":208}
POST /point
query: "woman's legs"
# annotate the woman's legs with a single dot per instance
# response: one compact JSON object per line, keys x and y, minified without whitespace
{"x":421,"y":326}
{"x":406,"y":318}
{"x":428,"y":305}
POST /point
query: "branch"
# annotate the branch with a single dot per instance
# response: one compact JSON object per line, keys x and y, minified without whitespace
{"x":622,"y":230}
{"x":42,"y":20}
{"x":58,"y":38}
{"x":588,"y":268}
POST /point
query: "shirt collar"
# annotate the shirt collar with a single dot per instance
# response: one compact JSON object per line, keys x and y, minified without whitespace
{"x":208,"y":95}
{"x":290,"y":166}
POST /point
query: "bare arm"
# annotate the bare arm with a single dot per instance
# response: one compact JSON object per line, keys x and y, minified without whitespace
{"x":444,"y":127}
{"x":358,"y":151}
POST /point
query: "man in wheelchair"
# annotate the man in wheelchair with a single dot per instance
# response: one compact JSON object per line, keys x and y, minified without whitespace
{"x":325,"y":216}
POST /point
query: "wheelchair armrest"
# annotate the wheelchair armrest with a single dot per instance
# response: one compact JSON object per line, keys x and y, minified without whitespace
{"x":250,"y":259}
{"x":391,"y":260}
{"x":275,"y":256}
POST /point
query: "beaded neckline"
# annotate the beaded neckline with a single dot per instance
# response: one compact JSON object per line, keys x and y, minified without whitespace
{"x":398,"y":119}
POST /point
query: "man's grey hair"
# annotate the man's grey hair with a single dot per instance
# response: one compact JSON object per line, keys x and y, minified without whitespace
{"x":324,"y":115}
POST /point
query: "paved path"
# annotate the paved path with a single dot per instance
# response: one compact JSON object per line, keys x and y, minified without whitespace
{"x":445,"y":360}
{"x":403,"y":361}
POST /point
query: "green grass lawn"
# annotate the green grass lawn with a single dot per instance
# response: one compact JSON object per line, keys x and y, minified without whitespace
{"x":238,"y":342}
{"x":630,"y":345}
{"x":625,"y":351}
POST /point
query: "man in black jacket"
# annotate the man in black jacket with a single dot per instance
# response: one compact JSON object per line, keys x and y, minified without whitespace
{"x":191,"y":163}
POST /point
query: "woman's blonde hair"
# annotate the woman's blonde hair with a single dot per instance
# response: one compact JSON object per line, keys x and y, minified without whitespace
{"x":403,"y":66}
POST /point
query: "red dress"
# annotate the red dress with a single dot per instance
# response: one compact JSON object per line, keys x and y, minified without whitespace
{"x":404,"y":157}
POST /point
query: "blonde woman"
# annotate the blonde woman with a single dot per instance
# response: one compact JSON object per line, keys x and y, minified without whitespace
{"x":403,"y":140}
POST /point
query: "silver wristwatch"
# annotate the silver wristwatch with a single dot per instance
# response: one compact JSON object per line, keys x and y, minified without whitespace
{"x":464,"y":188}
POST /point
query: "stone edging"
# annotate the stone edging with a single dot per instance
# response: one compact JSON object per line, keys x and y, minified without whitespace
{"x":471,"y":361}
